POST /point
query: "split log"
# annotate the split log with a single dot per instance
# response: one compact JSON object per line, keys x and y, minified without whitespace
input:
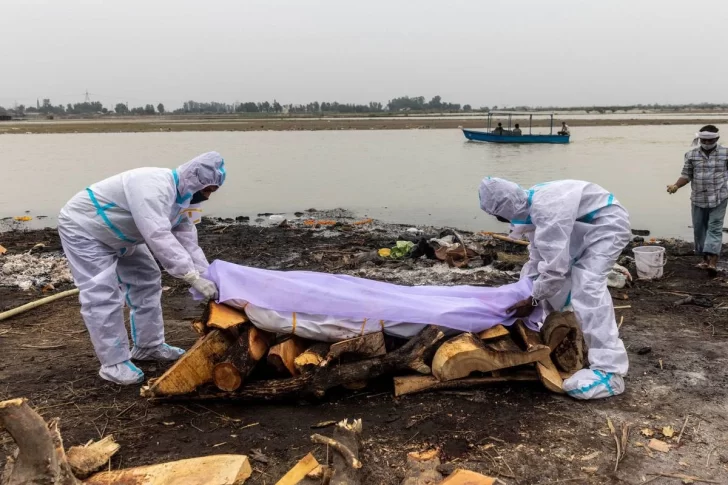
{"x":206,"y":470}
{"x":464,"y":354}
{"x":422,"y":468}
{"x":412,"y":384}
{"x":370,"y":345}
{"x":193,"y":369}
{"x":494,"y":333}
{"x":41,"y":459}
{"x":88,"y":459}
{"x":199,"y":327}
{"x":222,"y":316}
{"x":283,"y":355}
{"x":561,"y":332}
{"x":311,"y":358}
{"x":466,"y":477}
{"x":410,"y":357}
{"x":240,"y":359}
{"x":547,"y":372}
{"x":299,"y":472}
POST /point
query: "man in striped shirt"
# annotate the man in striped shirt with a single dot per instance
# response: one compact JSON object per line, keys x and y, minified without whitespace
{"x":705,"y":169}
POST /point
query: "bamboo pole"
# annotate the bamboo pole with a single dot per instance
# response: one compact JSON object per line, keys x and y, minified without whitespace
{"x":37,"y":303}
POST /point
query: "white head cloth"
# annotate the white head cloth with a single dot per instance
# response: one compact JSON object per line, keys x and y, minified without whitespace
{"x":707,"y":135}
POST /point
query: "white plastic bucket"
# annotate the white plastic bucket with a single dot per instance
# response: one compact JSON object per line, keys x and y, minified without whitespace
{"x":650,"y":261}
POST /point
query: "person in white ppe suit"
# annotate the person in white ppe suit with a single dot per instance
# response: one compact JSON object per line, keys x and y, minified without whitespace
{"x":111,"y":233}
{"x":577,"y":230}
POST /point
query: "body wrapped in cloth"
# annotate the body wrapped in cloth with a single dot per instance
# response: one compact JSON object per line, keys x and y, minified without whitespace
{"x":330,"y":307}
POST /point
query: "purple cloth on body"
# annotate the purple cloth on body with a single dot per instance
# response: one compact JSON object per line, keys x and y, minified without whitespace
{"x":464,"y":308}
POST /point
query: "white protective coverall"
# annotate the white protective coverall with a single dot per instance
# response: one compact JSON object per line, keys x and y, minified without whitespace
{"x":577,"y":231}
{"x":109,"y":233}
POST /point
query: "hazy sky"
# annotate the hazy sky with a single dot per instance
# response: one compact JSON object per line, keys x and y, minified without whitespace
{"x":482,"y":52}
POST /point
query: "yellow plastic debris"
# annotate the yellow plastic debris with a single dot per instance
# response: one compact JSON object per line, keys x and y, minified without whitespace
{"x":385,"y":252}
{"x":23,"y":218}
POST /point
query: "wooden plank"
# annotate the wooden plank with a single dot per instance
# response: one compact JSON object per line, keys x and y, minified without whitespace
{"x":466,"y":477}
{"x":222,"y":316}
{"x":299,"y":472}
{"x":412,"y":384}
{"x":193,"y":369}
{"x":206,"y":470}
{"x":366,"y":346}
{"x":493,"y":333}
{"x":464,"y":354}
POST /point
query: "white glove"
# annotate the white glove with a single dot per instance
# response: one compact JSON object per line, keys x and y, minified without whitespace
{"x":206,"y":288}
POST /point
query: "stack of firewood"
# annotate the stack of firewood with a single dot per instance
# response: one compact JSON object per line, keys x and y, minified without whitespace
{"x":222,"y":362}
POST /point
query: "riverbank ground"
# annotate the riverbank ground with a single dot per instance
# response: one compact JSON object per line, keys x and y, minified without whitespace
{"x":677,"y":388}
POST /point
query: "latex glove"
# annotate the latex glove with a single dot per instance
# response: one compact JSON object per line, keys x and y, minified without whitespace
{"x":671,"y":189}
{"x":205,"y":287}
{"x":523,"y":308}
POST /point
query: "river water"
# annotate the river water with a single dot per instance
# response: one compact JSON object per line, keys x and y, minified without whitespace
{"x":407,"y":176}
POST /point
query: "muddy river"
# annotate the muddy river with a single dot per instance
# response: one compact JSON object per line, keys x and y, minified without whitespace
{"x":408,"y":176}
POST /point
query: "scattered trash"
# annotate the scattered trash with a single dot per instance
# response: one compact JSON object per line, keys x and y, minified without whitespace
{"x":638,"y":239}
{"x":360,"y":223}
{"x":385,"y":252}
{"x":659,"y":445}
{"x":23,"y":218}
{"x":257,"y":455}
{"x":28,"y":270}
{"x":414,"y":230}
{"x":647,"y":432}
{"x":668,"y":432}
{"x":590,"y":456}
{"x":401,"y":250}
{"x":3,"y":250}
{"x":640,"y":232}
{"x":312,"y":222}
{"x":276,"y":218}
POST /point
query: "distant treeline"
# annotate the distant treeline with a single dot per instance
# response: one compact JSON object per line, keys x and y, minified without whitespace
{"x":396,"y":105}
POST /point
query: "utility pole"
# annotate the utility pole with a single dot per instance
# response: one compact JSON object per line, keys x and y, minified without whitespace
{"x":88,"y":99}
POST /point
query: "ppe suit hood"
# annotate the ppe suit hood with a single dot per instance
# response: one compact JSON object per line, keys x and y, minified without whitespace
{"x":499,"y":197}
{"x":200,"y":172}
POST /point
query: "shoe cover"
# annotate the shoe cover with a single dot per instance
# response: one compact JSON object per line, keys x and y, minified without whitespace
{"x":594,"y":384}
{"x":160,"y":352}
{"x":124,"y":373}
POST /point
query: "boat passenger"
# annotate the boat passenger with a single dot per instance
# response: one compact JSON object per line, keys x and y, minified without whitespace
{"x":564,"y":129}
{"x":517,"y":130}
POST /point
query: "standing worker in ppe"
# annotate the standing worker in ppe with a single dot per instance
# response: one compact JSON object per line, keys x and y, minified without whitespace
{"x":577,"y":231}
{"x":705,"y":170}
{"x":111,"y":233}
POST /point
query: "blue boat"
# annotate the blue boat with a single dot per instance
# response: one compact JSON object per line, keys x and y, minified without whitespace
{"x":508,"y":135}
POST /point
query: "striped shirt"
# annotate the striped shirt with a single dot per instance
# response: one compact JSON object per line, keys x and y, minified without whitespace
{"x":707,"y":175}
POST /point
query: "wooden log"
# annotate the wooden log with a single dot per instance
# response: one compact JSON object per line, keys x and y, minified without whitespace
{"x":299,"y":472}
{"x":547,"y":372}
{"x":310,"y":359}
{"x":412,"y":384}
{"x":519,"y":258}
{"x":223,"y":317}
{"x":283,"y":355}
{"x":562,"y":333}
{"x":466,"y":477}
{"x":240,"y":359}
{"x":500,"y":237}
{"x":421,"y":468}
{"x":410,"y":356}
{"x":41,"y":458}
{"x":206,"y":470}
{"x":193,"y":369}
{"x":494,"y":333}
{"x":199,"y":327}
{"x":370,"y":345}
{"x":464,"y":354}
{"x":88,"y":459}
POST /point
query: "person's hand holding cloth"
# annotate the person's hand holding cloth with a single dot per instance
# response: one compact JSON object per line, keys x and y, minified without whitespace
{"x":203,"y":286}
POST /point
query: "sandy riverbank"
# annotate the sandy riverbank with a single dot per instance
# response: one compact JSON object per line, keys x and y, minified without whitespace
{"x":158,"y":124}
{"x":520,"y":433}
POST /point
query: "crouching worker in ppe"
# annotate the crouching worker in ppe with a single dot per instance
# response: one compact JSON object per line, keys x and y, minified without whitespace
{"x":111,"y":233}
{"x":577,"y":231}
